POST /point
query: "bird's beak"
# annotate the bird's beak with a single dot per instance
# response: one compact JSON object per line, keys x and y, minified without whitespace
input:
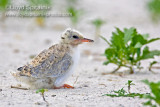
{"x":86,"y":40}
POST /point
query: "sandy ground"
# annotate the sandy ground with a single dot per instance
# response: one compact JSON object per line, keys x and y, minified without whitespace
{"x":20,"y":38}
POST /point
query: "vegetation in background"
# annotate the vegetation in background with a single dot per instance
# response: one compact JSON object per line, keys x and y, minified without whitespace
{"x":128,"y":48}
{"x":154,"y":97}
{"x":3,"y":5}
{"x":154,"y":8}
{"x":76,"y":14}
{"x":42,"y":91}
{"x":40,"y":20}
{"x":98,"y":24}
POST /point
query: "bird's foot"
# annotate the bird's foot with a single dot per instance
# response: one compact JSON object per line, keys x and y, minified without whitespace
{"x":64,"y":86}
{"x":67,"y":86}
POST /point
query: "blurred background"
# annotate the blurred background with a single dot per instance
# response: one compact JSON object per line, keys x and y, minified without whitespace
{"x":23,"y":36}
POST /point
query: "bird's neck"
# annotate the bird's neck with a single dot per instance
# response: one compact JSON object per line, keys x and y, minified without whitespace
{"x":70,"y":45}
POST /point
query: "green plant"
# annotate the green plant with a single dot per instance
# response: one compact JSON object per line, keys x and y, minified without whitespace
{"x":154,"y":97}
{"x":129,"y":83}
{"x":154,"y":8}
{"x":42,"y":91}
{"x":40,"y":2}
{"x":128,"y":48}
{"x":98,"y":24}
{"x":3,"y":4}
{"x":151,"y":64}
{"x":3,"y":7}
{"x":123,"y":93}
{"x":39,"y":8}
{"x":76,"y":14}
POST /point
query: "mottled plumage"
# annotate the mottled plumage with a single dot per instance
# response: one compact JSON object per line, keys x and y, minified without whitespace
{"x":52,"y":66}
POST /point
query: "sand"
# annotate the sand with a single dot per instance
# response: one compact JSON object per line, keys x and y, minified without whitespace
{"x":20,"y":39}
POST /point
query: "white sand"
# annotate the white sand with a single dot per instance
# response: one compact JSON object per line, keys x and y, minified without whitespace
{"x":21,"y":38}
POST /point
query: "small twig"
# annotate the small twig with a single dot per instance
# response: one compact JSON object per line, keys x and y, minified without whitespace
{"x":19,"y":87}
{"x":75,"y":81}
{"x":156,"y":67}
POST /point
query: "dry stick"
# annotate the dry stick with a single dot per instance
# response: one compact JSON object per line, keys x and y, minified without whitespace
{"x":75,"y":81}
{"x":19,"y":87}
{"x":155,"y":67}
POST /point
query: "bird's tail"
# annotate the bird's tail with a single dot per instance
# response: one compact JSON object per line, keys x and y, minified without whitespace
{"x":14,"y":73}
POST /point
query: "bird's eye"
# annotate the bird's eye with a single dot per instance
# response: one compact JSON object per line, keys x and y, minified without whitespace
{"x":75,"y":36}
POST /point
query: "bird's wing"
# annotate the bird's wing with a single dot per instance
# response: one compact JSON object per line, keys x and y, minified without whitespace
{"x":53,"y":62}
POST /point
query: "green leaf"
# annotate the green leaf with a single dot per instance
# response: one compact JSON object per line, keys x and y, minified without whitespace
{"x":105,"y":40}
{"x":149,"y":54}
{"x":41,"y":90}
{"x":145,"y":81}
{"x":138,"y":38}
{"x":145,"y":36}
{"x":149,"y":103}
{"x":117,"y":39}
{"x":128,"y":34}
{"x":106,"y":63}
{"x":152,"y":40}
{"x":138,"y":45}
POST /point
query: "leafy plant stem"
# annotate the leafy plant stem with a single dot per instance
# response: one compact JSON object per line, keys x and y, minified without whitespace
{"x":131,"y":70}
{"x":42,"y":91}
{"x":116,"y":69}
{"x":129,"y":87}
{"x":97,"y":31}
{"x":44,"y":99}
{"x":151,"y":65}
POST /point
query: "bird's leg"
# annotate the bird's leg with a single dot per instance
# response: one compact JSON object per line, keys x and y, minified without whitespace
{"x":64,"y":86}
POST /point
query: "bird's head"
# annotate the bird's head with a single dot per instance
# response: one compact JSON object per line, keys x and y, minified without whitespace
{"x":73,"y":37}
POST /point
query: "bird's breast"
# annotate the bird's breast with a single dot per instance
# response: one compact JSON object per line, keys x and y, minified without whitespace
{"x":75,"y":55}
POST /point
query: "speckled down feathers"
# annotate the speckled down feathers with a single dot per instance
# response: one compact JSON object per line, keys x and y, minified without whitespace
{"x":53,"y":62}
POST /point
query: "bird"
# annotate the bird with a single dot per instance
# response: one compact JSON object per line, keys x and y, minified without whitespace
{"x":53,"y":66}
